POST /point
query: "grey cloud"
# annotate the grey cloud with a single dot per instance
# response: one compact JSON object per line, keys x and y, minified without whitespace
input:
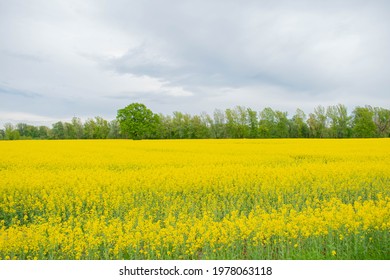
{"x":24,"y":56}
{"x":5,"y":90}
{"x":141,"y":62}
{"x":302,"y":45}
{"x":192,"y":55}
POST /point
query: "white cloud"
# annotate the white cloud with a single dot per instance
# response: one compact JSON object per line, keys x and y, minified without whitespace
{"x":22,"y":117}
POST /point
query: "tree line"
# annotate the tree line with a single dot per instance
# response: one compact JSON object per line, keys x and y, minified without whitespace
{"x":136,"y":121}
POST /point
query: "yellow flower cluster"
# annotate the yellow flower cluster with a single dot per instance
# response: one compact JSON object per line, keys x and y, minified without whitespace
{"x":194,"y":199}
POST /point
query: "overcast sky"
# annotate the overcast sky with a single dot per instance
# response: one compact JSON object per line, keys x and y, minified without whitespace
{"x":60,"y":59}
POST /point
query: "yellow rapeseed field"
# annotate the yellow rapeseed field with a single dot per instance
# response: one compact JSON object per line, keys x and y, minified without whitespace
{"x":195,"y":199}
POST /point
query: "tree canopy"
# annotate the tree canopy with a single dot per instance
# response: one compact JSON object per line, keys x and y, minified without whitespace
{"x":136,"y":121}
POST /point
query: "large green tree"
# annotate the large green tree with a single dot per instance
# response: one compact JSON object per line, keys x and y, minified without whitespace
{"x":298,"y":125}
{"x":10,"y":132}
{"x":339,"y":121}
{"x":218,"y":125}
{"x":137,"y":121}
{"x":58,"y":131}
{"x":317,"y":122}
{"x":363,"y":122}
{"x":253,"y":123}
{"x":267,"y":123}
{"x":382,"y":121}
